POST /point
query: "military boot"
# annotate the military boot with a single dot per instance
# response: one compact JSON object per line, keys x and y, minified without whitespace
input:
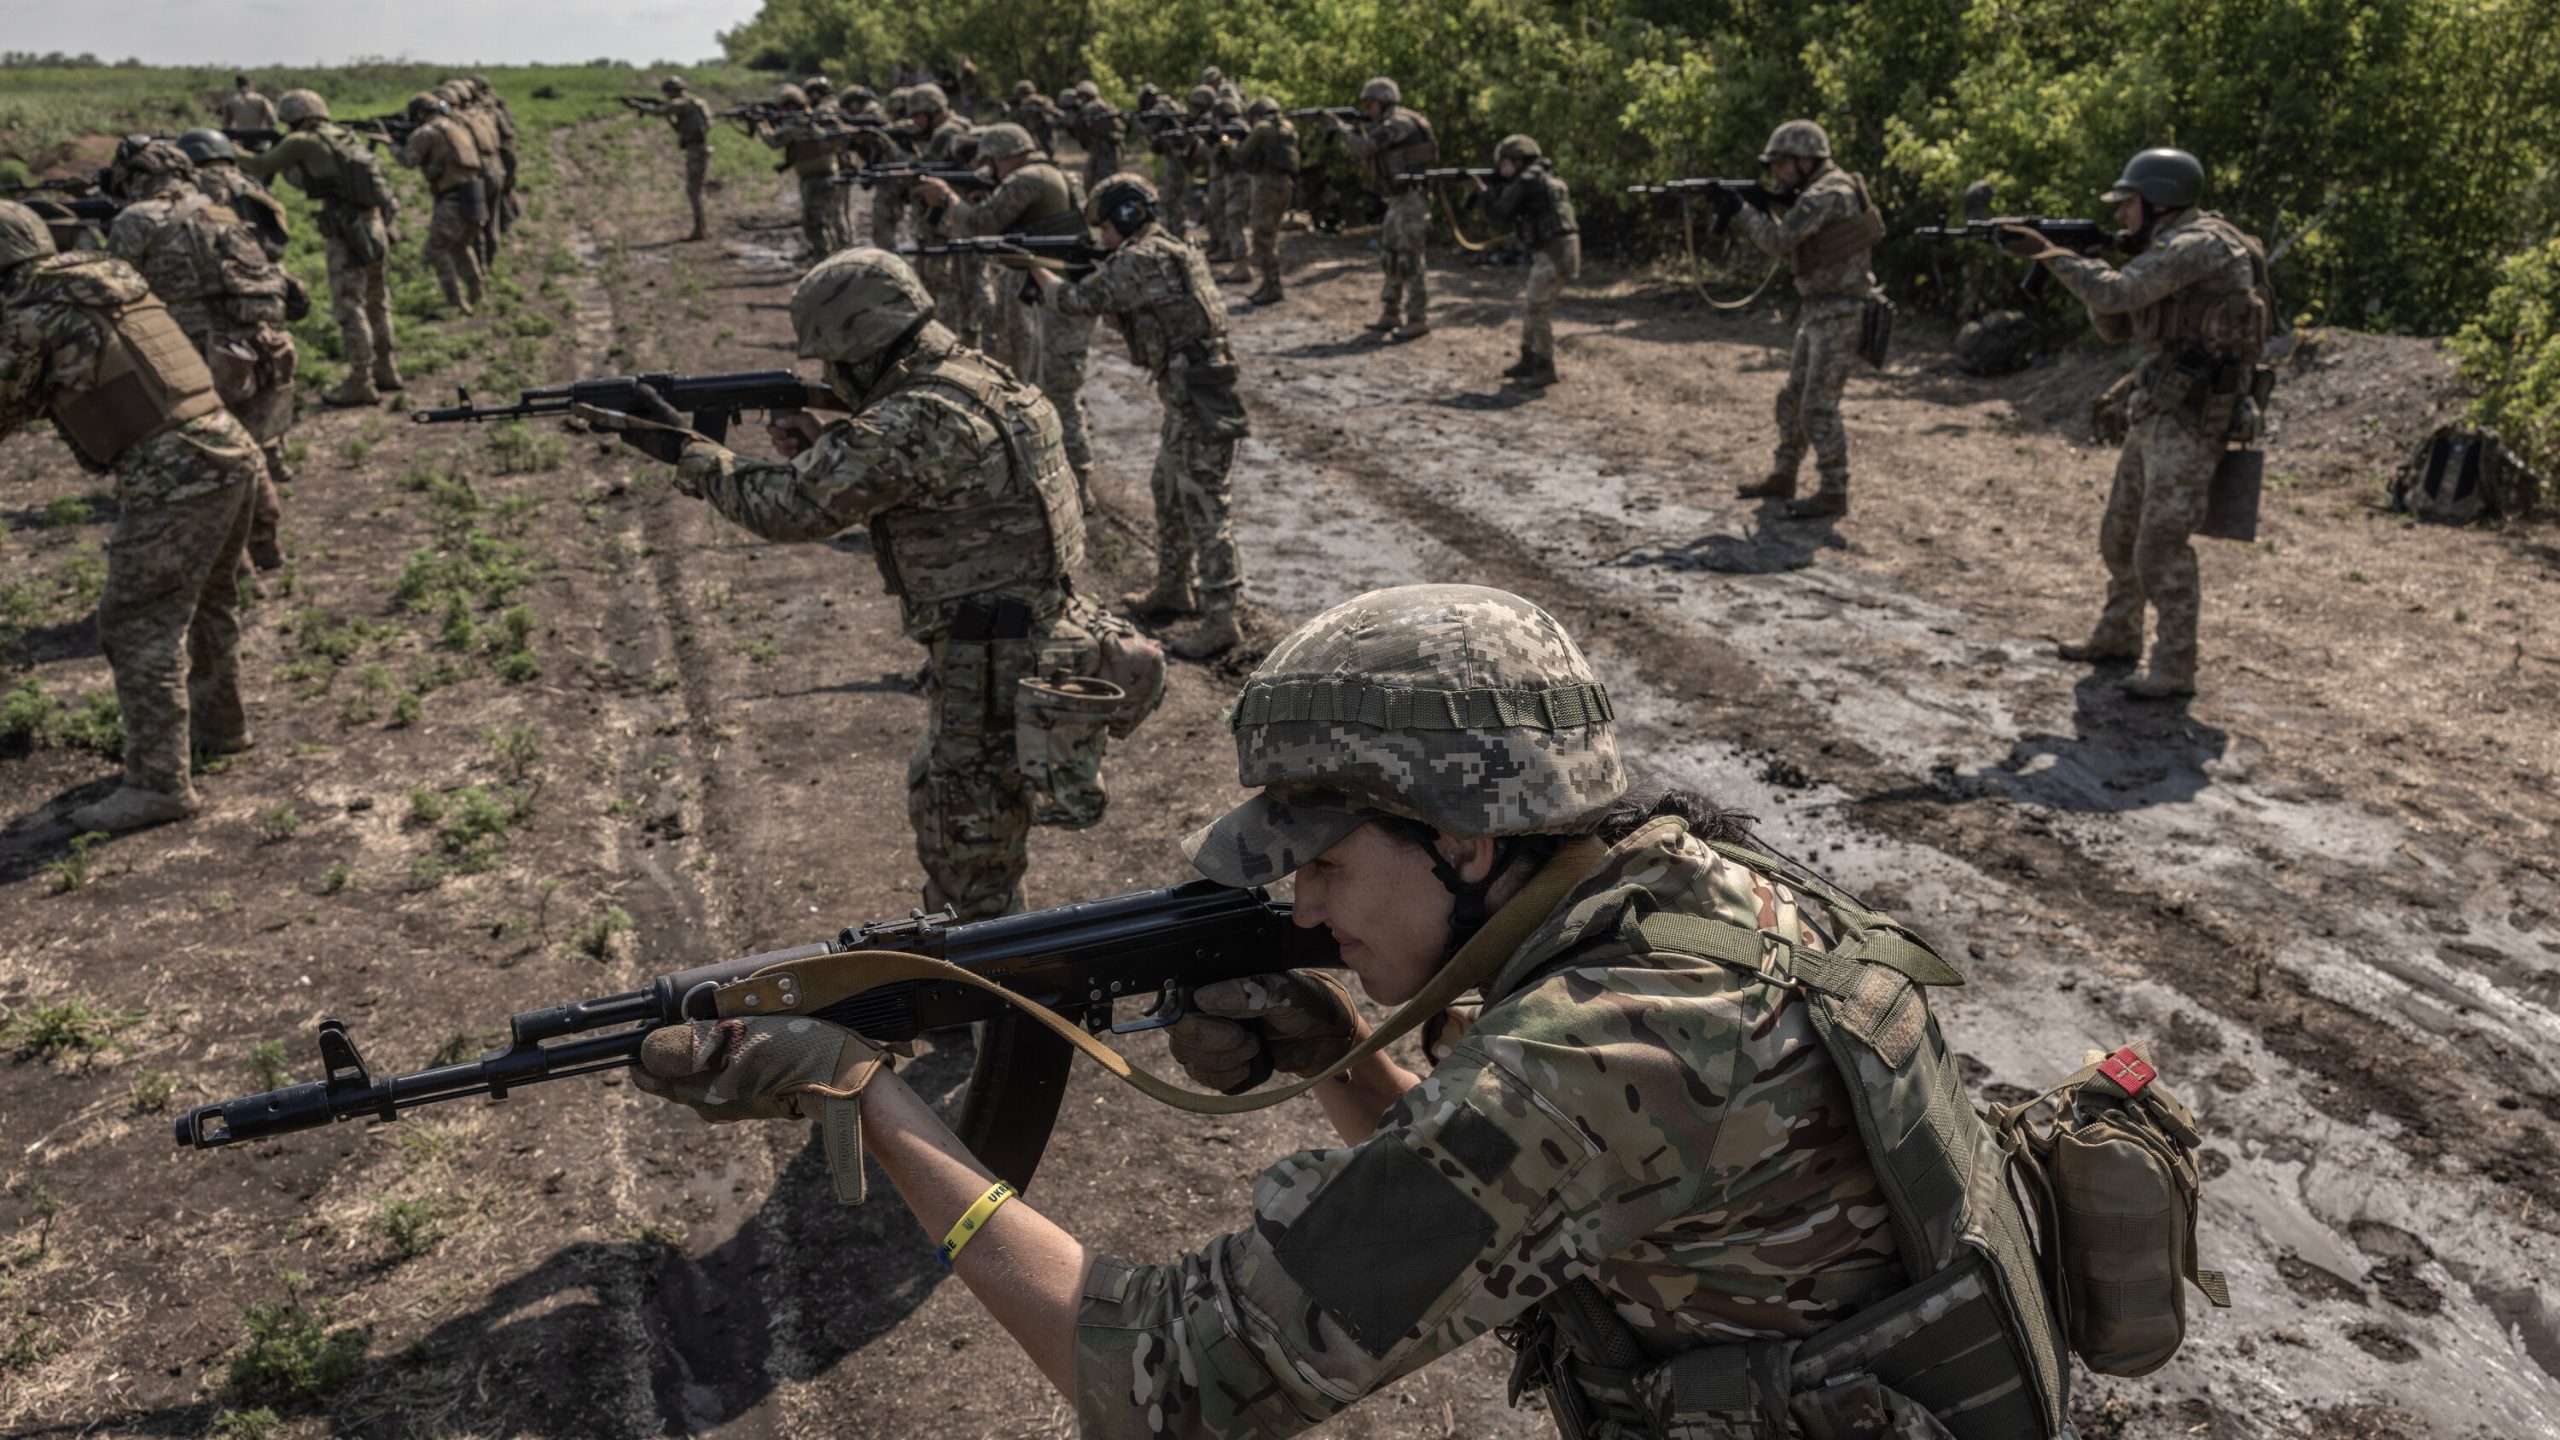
{"x":131,"y":807}
{"x":1386,"y":322}
{"x":265,"y":553}
{"x":356,"y":389}
{"x":1522,"y":366}
{"x":1414,"y":331}
{"x":2156,"y":684}
{"x":2100,"y":650}
{"x":386,"y":376}
{"x":1269,"y":294}
{"x":1779,"y":486}
{"x":1168,"y":597}
{"x":1827,"y":500}
{"x":1540,"y":374}
{"x":1216,"y":634}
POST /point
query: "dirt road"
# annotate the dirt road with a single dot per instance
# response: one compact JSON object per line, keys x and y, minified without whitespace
{"x":2323,"y":891}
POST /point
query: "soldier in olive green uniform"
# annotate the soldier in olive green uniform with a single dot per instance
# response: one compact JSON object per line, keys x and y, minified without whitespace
{"x":1217,"y":156}
{"x":2198,"y":302}
{"x":1396,"y":141}
{"x":1268,"y":160}
{"x":691,"y":120}
{"x":955,"y":469}
{"x":205,"y":264}
{"x":1535,"y":203}
{"x":1824,"y":239}
{"x":443,"y":150}
{"x":1698,"y":1150}
{"x":462,"y":107}
{"x":1096,"y":127}
{"x":327,"y":162}
{"x":1159,"y":292}
{"x":1032,"y":197}
{"x":941,"y":138}
{"x":809,"y":152}
{"x":85,"y":344}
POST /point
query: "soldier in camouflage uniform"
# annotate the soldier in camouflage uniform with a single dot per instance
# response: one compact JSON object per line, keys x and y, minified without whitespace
{"x":1394,"y":142}
{"x":85,"y":344}
{"x":327,"y":162}
{"x":692,"y":122}
{"x":889,"y":202}
{"x":1159,"y":292}
{"x":1096,"y":127}
{"x":1032,"y":197}
{"x":1824,"y":239}
{"x":941,"y":138}
{"x":218,"y":174}
{"x":1534,"y":202}
{"x":1268,"y":161}
{"x":245,"y":109}
{"x":1186,"y":157}
{"x":486,"y":99}
{"x":809,"y":152}
{"x":1699,"y":1116}
{"x":461,"y":104}
{"x":956,"y":470}
{"x":2198,"y":302}
{"x":443,"y":150}
{"x":1037,"y":114}
{"x":206,"y":265}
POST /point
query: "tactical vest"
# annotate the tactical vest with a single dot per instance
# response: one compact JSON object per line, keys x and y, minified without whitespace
{"x":355,"y":181}
{"x":1970,"y":1338}
{"x":1844,"y":236}
{"x":1418,"y":151}
{"x":806,"y":150}
{"x":1544,"y":221}
{"x":930,"y":556}
{"x":692,"y":121}
{"x":2232,"y":321}
{"x":452,"y":160}
{"x":149,"y":378}
{"x":207,"y":267}
{"x":1277,"y":155}
{"x":1176,"y":320}
{"x":1053,"y":209}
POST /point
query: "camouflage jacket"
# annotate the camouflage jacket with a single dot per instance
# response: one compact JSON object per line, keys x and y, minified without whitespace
{"x":692,"y":121}
{"x":50,"y":347}
{"x":1670,"y":1129}
{"x":314,"y":159}
{"x":957,"y":468}
{"x":1832,"y":197}
{"x":444,"y":151}
{"x":230,"y":187}
{"x":203,"y":261}
{"x":248,"y":110}
{"x":2195,"y":253}
{"x":1390,"y":146}
{"x":1536,"y":204}
{"x":1036,"y":199}
{"x":806,"y":139}
{"x":1159,"y":292}
{"x":1271,"y":148}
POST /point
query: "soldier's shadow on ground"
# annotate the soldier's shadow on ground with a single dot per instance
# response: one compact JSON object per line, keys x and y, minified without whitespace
{"x":1770,"y":544}
{"x":34,"y":841}
{"x":1509,"y":397}
{"x":2122,"y":755}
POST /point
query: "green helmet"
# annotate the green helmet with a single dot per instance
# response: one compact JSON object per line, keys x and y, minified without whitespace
{"x":791,"y":95}
{"x":1466,"y":708}
{"x":205,"y":146}
{"x":1024,"y":89}
{"x":2170,"y":179}
{"x":1226,"y":108}
{"x":672,"y":86}
{"x":818,"y":86}
{"x":23,"y":237}
{"x":1087,"y":90}
{"x":896,"y":104}
{"x":1003,"y":142}
{"x":1802,"y":139}
{"x":423,"y":104}
{"x":141,"y":169}
{"x":1517,"y":148}
{"x":1262,"y":108}
{"x":926,"y":99}
{"x":1382,"y":90}
{"x":855,"y":304}
{"x":295,"y":106}
{"x":1201,"y":97}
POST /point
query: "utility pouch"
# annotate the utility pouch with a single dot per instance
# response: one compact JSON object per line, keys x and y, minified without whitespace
{"x":2231,"y":502}
{"x":297,"y":299}
{"x":964,"y":666}
{"x":1060,"y":730}
{"x":1875,"y":332}
{"x":1212,"y":388}
{"x":2109,"y":1177}
{"x":234,"y":364}
{"x":278,"y":359}
{"x":1135,"y":663}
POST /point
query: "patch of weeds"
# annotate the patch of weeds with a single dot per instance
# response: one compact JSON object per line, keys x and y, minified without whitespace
{"x":84,"y":575}
{"x":435,"y":675}
{"x":520,"y":449}
{"x":259,"y":1424}
{"x":154,"y":1089}
{"x":422,"y":472}
{"x":29,"y":717}
{"x":477,"y":821}
{"x":72,"y":870}
{"x":623,"y":808}
{"x":2355,"y":577}
{"x":294,"y":1353}
{"x":463,"y":1045}
{"x":599,"y":935}
{"x":518,"y":749}
{"x":77,"y":1025}
{"x":662,"y":681}
{"x":66,"y":510}
{"x":337,"y":877}
{"x":24,"y":1343}
{"x":426,"y":872}
{"x":281,"y":823}
{"x":355,"y":450}
{"x":409,"y":1226}
{"x":423,"y":1145}
{"x":461,"y":630}
{"x":517,"y":626}
{"x":760,"y":650}
{"x":426,"y":807}
{"x":266,"y":1061}
{"x":518,"y":666}
{"x":320,"y":635}
{"x":452,"y":503}
{"x":515,"y":513}
{"x":98,"y":724}
{"x":406,"y":710}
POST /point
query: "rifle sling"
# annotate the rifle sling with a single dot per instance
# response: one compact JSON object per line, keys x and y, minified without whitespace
{"x":815,"y":982}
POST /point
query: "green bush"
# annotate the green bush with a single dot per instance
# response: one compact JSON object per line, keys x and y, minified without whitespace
{"x":2511,"y":351}
{"x":293,"y":1352}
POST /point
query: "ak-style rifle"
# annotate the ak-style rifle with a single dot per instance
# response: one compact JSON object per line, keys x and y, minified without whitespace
{"x":2080,"y":237}
{"x":1727,"y":196}
{"x":1079,"y":960}
{"x":957,"y":177}
{"x":714,"y":402}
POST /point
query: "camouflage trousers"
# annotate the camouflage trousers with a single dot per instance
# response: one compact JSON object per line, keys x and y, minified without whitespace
{"x":2164,"y":476}
{"x":697,"y":171}
{"x":493,"y":209}
{"x":267,"y":415}
{"x":1177,"y":197}
{"x":1195,"y":538}
{"x":823,"y":220}
{"x":170,"y":626}
{"x":1214,"y":213}
{"x":1404,"y":292}
{"x":1064,"y":342}
{"x":971,"y":805}
{"x":1552,"y":266}
{"x":453,"y":241}
{"x":1808,"y":408}
{"x":1239,"y":213}
{"x":360,"y":301}
{"x":1266,"y":205}
{"x":885,"y":211}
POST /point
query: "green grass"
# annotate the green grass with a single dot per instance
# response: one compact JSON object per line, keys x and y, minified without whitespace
{"x":293,"y":1353}
{"x":597,"y":936}
{"x":410,"y":1227}
{"x":29,"y":718}
{"x":72,"y":870}
{"x":267,"y":1062}
{"x":75,"y":1025}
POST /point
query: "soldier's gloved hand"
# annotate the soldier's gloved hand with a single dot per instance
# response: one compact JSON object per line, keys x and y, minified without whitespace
{"x":771,"y":1067}
{"x":666,"y":431}
{"x":1727,"y":203}
{"x":2022,"y":243}
{"x":1235,"y":1033}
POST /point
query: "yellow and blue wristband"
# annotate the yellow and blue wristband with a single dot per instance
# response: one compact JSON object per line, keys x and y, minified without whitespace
{"x":974,"y":1220}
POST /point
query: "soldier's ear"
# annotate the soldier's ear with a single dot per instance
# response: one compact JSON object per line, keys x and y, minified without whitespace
{"x":1472,"y":857}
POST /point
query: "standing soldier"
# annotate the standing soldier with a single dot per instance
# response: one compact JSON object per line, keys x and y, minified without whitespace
{"x":206,"y":265}
{"x":1226,"y":184}
{"x":1032,"y":197}
{"x":944,"y":139}
{"x":486,"y":98}
{"x":328,"y":163}
{"x":1824,"y":239}
{"x":85,"y":344}
{"x":1394,"y":142}
{"x":955,"y":470}
{"x":1159,"y":292}
{"x":1534,"y":202}
{"x":1268,"y":159}
{"x":889,"y":202}
{"x":808,"y":152}
{"x":692,"y":122}
{"x":441,"y":149}
{"x":1036,"y":114}
{"x":1186,"y":159}
{"x":246,"y":109}
{"x":2198,"y":301}
{"x":456,"y":95}
{"x":1096,"y":127}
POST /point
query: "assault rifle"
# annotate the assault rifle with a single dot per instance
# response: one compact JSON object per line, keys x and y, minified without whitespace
{"x":1079,"y":960}
{"x":72,"y":211}
{"x":52,"y":185}
{"x":645,"y":104}
{"x":393,"y":129}
{"x":713,"y":401}
{"x":2081,"y":237}
{"x":957,"y":177}
{"x":1419,"y":179}
{"x":1070,"y":255}
{"x":1727,"y":196}
{"x":1348,"y":115}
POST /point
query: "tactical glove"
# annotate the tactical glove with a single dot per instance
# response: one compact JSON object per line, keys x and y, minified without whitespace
{"x":1235,"y":1033}
{"x":770,"y":1068}
{"x":664,"y":431}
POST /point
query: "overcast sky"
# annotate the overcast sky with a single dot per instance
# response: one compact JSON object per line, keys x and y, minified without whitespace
{"x":328,"y":32}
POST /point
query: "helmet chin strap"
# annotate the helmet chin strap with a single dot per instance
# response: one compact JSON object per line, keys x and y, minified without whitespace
{"x":1470,"y":912}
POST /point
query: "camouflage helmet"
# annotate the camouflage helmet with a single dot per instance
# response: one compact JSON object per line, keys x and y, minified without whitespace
{"x":140,"y":166}
{"x":896,"y":104}
{"x":1466,"y":708}
{"x":861,"y":94}
{"x":295,"y":106}
{"x":1087,"y":90}
{"x":1202,"y":97}
{"x":205,"y":146}
{"x":855,"y":304}
{"x":1382,"y":90}
{"x":818,"y":86}
{"x":480,"y":85}
{"x":454,"y":92}
{"x":673,"y":85}
{"x":927,"y":99}
{"x":1212,"y":75}
{"x":787,"y":94}
{"x":2169,"y":179}
{"x":1024,"y":89}
{"x":423,"y":103}
{"x":1127,"y":200}
{"x":1519,"y":149}
{"x":1803,"y":139}
{"x":1227,"y":108}
{"x":1003,"y":142}
{"x":1263,"y":107}
{"x":23,"y":237}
